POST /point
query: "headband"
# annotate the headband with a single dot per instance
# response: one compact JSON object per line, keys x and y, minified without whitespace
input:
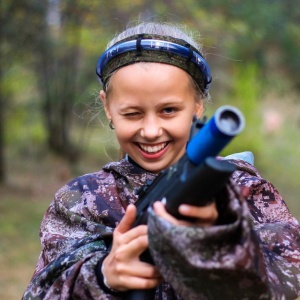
{"x":155,"y":48}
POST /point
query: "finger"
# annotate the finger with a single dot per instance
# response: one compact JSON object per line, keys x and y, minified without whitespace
{"x":138,"y":268}
{"x":135,"y":271}
{"x":132,"y":234}
{"x":128,"y":249}
{"x":128,"y":220}
{"x":136,"y":283}
{"x":160,"y":210}
{"x":137,"y":275}
{"x":203,"y":214}
{"x":140,"y":276}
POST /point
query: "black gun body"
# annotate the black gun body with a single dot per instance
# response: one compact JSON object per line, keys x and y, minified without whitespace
{"x":185,"y":183}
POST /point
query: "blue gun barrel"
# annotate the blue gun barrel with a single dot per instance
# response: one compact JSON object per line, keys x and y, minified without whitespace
{"x":226,"y":123}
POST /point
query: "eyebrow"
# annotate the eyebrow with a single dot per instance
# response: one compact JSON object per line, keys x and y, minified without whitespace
{"x":172,"y":102}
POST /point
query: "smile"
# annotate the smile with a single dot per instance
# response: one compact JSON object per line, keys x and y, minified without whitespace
{"x":154,"y":148}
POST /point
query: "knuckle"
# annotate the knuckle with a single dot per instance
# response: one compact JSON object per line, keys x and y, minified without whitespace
{"x":148,"y":284}
{"x":123,"y":280}
{"x":142,"y":242}
{"x":119,"y":255}
{"x":142,"y":229}
{"x":211,"y":214}
{"x":119,"y":269}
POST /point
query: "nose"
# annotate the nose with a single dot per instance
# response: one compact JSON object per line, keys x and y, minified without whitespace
{"x":151,"y":128}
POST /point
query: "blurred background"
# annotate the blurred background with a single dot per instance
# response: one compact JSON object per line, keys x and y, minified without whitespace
{"x":52,"y":127}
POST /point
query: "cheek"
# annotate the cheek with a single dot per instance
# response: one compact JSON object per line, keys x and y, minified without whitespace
{"x":180,"y":131}
{"x":124,"y":133}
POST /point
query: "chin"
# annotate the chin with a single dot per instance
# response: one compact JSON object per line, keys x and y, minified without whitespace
{"x":153,"y":167}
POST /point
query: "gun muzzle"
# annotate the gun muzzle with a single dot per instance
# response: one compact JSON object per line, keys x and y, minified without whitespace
{"x":226,"y":123}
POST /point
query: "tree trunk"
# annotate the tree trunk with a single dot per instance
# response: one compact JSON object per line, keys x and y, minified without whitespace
{"x":57,"y":71}
{"x":2,"y":158}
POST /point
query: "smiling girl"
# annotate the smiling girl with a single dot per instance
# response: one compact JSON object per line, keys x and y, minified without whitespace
{"x":155,"y":80}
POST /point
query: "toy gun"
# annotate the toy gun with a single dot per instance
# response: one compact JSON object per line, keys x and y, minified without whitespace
{"x":195,"y":179}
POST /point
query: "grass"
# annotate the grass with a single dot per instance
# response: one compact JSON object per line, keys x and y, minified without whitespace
{"x":30,"y":186}
{"x":19,"y":228}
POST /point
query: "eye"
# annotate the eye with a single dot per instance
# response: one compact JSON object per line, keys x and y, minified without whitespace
{"x":169,"y":110}
{"x":132,"y":114}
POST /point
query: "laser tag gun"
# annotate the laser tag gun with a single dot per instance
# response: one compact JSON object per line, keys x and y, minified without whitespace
{"x":195,"y":179}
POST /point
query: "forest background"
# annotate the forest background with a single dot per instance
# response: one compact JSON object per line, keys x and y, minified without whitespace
{"x":52,"y":127}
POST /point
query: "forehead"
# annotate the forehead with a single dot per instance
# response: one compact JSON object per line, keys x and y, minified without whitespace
{"x":151,"y":66}
{"x":145,"y":74}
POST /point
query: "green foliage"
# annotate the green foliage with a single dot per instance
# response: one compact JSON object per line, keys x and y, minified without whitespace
{"x":24,"y":132}
{"x":245,"y":94}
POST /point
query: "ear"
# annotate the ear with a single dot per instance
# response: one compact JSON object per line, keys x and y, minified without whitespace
{"x":105,"y":104}
{"x":199,"y":109}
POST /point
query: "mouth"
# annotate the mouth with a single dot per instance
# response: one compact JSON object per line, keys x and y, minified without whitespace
{"x":153,"y":149}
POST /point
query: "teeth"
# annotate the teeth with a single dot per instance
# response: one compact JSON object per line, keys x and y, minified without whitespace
{"x":153,"y":149}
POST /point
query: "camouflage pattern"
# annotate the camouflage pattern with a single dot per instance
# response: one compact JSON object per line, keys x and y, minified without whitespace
{"x":252,"y":253}
{"x":132,"y":57}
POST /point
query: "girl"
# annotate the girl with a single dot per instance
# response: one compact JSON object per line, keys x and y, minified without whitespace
{"x":155,"y":80}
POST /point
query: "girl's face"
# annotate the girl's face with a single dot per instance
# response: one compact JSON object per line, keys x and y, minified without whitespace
{"x":152,"y":106}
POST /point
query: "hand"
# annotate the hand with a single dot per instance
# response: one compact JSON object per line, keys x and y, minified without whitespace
{"x":122,"y":268}
{"x":205,"y":215}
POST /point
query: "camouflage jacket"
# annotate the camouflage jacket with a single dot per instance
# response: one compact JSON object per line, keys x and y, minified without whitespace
{"x":253,"y":253}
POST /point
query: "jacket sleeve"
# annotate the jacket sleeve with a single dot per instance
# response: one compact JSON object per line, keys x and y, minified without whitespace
{"x":74,"y":240}
{"x":278,"y":234}
{"x":240,"y":258}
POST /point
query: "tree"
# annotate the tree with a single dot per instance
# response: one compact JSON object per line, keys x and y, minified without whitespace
{"x":262,"y":32}
{"x":16,"y":35}
{"x":56,"y":63}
